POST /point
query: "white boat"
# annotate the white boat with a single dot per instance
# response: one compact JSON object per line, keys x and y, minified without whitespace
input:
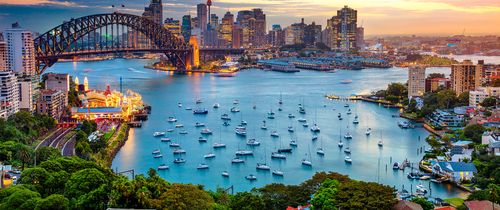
{"x":276,"y":155}
{"x":293,"y":143}
{"x":172,"y":119}
{"x":198,"y":124}
{"x":380,"y":144}
{"x":158,"y":134}
{"x":302,"y":110}
{"x":395,"y":166}
{"x":348,"y":159}
{"x":226,"y":123}
{"x":236,"y":101}
{"x":170,"y":130}
{"x":421,"y":188}
{"x":202,"y":166}
{"x":219,"y":145}
{"x":179,"y":160}
{"x":202,"y":139}
{"x":278,"y":172}
{"x":183,"y":132}
{"x":225,"y":117}
{"x":263,"y":127}
{"x":306,"y":162}
{"x":425,"y":177}
{"x":302,"y":120}
{"x":158,"y":156}
{"x":314,"y":138}
{"x":216,"y":105}
{"x":305,"y":125}
{"x":234,"y":110}
{"x":206,"y":131}
{"x":251,"y":177}
{"x":315,"y":128}
{"x":179,"y":125}
{"x":341,"y":144}
{"x":237,"y":160}
{"x":348,"y":136}
{"x":163,"y":167}
{"x":179,"y":151}
{"x":244,"y":152}
{"x":275,"y":134}
{"x":199,"y":101}
{"x":368,"y":131}
{"x":253,"y":142}
{"x":225,"y":174}
{"x":173,"y":144}
{"x":241,"y":131}
{"x":156,"y":151}
{"x":166,"y":139}
{"x":189,"y":108}
{"x":179,"y":104}
{"x":243,"y":122}
{"x":346,"y":105}
{"x":320,"y":151}
{"x":347,"y":150}
{"x":209,"y":155}
{"x":346,"y":81}
{"x":290,"y":129}
{"x":200,"y":111}
{"x":355,"y":121}
{"x":349,"y":111}
{"x":291,"y":116}
{"x":263,"y":166}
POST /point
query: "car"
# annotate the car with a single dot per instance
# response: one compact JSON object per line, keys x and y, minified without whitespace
{"x":16,"y":171}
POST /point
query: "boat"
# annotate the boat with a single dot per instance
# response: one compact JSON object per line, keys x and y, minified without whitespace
{"x":285,"y":150}
{"x":435,"y":180}
{"x":165,"y":139}
{"x":395,"y":166}
{"x":320,"y":151}
{"x":403,"y":194}
{"x":244,"y":152}
{"x":171,"y":119}
{"x":414,"y":175}
{"x":183,"y":132}
{"x":198,"y":124}
{"x":170,"y":130}
{"x":355,"y":121}
{"x":251,"y":177}
{"x":346,"y":105}
{"x":293,"y":143}
{"x":158,"y":156}
{"x":348,"y":136}
{"x":340,"y":144}
{"x":218,"y":145}
{"x":200,"y":111}
{"x":241,"y":131}
{"x":276,"y":155}
{"x":226,"y":123}
{"x":314,"y":138}
{"x":216,"y":106}
{"x":206,"y":131}
{"x":158,"y":134}
{"x":348,"y":159}
{"x":234,"y":110}
{"x":280,"y":102}
{"x":163,"y":167}
{"x":179,"y":125}
{"x":280,"y":109}
{"x":305,"y":125}
{"x":404,"y":124}
{"x":179,"y":104}
{"x":275,"y":134}
{"x":225,"y":174}
{"x":189,"y":108}
{"x":263,"y":127}
{"x":306,"y":162}
{"x":179,"y":151}
{"x":243,"y":122}
{"x":346,"y":81}
{"x":302,"y":120}
{"x":270,"y":116}
{"x":263,"y":166}
{"x":368,"y":131}
{"x":340,"y":118}
{"x":173,"y":144}
{"x":236,"y":102}
{"x":228,"y":74}
{"x":225,"y":117}
{"x":347,"y":150}
{"x":209,"y":155}
{"x":202,"y":166}
{"x":179,"y":160}
{"x":315,"y":128}
{"x":202,"y":139}
{"x":425,"y":177}
{"x":199,"y":101}
{"x":253,"y":142}
{"x":278,"y":172}
{"x":291,"y":116}
{"x":237,"y":160}
{"x":302,"y":110}
{"x":156,"y":151}
{"x":349,"y":111}
{"x":380,"y":143}
{"x":421,"y":189}
{"x":290,"y":129}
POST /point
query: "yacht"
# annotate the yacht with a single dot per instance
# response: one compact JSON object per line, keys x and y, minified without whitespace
{"x":202,"y":166}
{"x":315,"y":128}
{"x":209,"y":155}
{"x":179,"y":104}
{"x":202,"y":139}
{"x":348,"y":136}
{"x":348,"y":159}
{"x":395,"y":166}
{"x":172,"y":119}
{"x":234,"y":110}
{"x":179,"y":151}
{"x":253,"y":142}
{"x":306,"y":162}
{"x":158,"y":134}
{"x":368,"y":131}
{"x":404,"y":124}
{"x":341,"y":144}
{"x":225,"y":174}
{"x":244,"y":153}
{"x":241,"y":131}
{"x":216,"y":105}
{"x":305,"y":125}
{"x":166,"y":139}
{"x":156,"y":151}
{"x":200,"y":111}
{"x":263,"y":166}
{"x":236,"y":102}
{"x":173,"y":144}
{"x":291,"y":116}
{"x":237,"y":160}
{"x":163,"y":167}
{"x":293,"y":143}
{"x":170,"y":130}
{"x":179,"y":125}
{"x":275,"y":134}
{"x":219,"y":145}
{"x":302,"y":120}
{"x":276,"y":155}
{"x":158,"y":156}
{"x":183,"y":132}
{"x":290,"y":129}
{"x":320,"y":151}
{"x":225,"y":117}
{"x":278,"y":172}
{"x":198,"y":124}
{"x":251,"y":177}
{"x":314,"y":138}
{"x":206,"y":131}
{"x":179,"y":160}
{"x":347,"y":150}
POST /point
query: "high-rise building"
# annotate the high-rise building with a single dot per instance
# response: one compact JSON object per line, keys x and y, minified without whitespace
{"x":253,"y":24}
{"x":295,"y":33}
{"x":20,"y":50}
{"x":312,"y":34}
{"x":214,"y":21}
{"x":260,"y":27}
{"x":202,"y":15}
{"x":186,"y":27}
{"x":9,"y":93}
{"x":416,"y":81}
{"x":27,"y":93}
{"x":227,"y":27}
{"x":237,"y":38}
{"x":154,"y":12}
{"x":466,"y":76}
{"x":3,"y":56}
{"x":52,"y":103}
{"x":277,"y":36}
{"x":347,"y":28}
{"x":174,"y":26}
{"x":360,"y":38}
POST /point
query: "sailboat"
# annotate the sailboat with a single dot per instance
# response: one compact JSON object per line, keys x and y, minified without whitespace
{"x":315,"y":127}
{"x":281,"y":100}
{"x":380,"y":143}
{"x":348,"y":135}
{"x":341,"y":144}
{"x":219,"y":144}
{"x":305,"y":161}
{"x":263,"y":166}
{"x":320,"y":150}
{"x":368,"y":131}
{"x":348,"y":159}
{"x":277,"y":172}
{"x":263,"y":127}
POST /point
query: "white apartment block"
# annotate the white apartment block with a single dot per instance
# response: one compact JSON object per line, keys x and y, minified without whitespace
{"x":481,"y":93}
{"x":20,"y":51}
{"x":9,"y":93}
{"x":416,"y":81}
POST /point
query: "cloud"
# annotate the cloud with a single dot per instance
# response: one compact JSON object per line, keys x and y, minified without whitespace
{"x":39,"y":2}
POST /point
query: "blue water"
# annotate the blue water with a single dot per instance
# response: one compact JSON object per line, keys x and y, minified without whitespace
{"x":254,"y":87}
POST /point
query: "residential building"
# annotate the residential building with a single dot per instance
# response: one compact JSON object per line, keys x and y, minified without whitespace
{"x":186,"y":27}
{"x":174,"y":26}
{"x":55,"y":81}
{"x":226,"y":29}
{"x":253,"y":25}
{"x":477,"y":96}
{"x":455,"y":171}
{"x":276,"y":36}
{"x":52,"y":103}
{"x":9,"y":93}
{"x":407,"y":205}
{"x":360,"y":38}
{"x":347,"y":19}
{"x":295,"y":33}
{"x":20,"y":50}
{"x":465,"y":76}
{"x":435,"y":84}
{"x":260,"y":27}
{"x":27,"y":93}
{"x":445,"y":118}
{"x":312,"y":34}
{"x":3,"y":56}
{"x":416,"y":81}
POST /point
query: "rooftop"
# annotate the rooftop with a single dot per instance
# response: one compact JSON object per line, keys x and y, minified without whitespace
{"x":457,"y":166}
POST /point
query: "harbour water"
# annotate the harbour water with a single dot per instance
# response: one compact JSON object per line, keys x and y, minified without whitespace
{"x":163,"y":91}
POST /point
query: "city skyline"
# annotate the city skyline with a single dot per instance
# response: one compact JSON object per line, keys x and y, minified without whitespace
{"x":448,"y":17}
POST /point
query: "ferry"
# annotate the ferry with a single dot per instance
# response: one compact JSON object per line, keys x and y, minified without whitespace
{"x":229,"y":67}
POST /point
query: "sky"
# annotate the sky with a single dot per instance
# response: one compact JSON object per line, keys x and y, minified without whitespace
{"x":378,"y":17}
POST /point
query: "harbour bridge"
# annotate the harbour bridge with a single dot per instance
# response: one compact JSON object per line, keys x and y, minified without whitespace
{"x":116,"y":33}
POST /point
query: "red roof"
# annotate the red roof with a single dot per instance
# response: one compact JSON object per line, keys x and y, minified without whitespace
{"x":407,"y":205}
{"x":445,"y":208}
{"x":481,"y":205}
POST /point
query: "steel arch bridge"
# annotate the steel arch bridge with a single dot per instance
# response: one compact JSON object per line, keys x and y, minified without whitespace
{"x":109,"y":33}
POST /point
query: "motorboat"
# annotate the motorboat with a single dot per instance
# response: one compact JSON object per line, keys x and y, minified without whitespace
{"x":171,"y":119}
{"x":179,"y":160}
{"x":234,"y":110}
{"x":380,"y":143}
{"x":225,"y":174}
{"x":414,"y":175}
{"x":179,"y":151}
{"x":368,"y":131}
{"x":355,"y":121}
{"x":189,"y":108}
{"x":349,"y":112}
{"x":179,"y":125}
{"x":156,"y":151}
{"x":251,"y":177}
{"x":347,"y":150}
{"x":276,"y":155}
{"x":163,"y":167}
{"x":275,"y":134}
{"x":237,"y":160}
{"x":173,"y":144}
{"x":395,"y":166}
{"x":241,"y":131}
{"x":302,"y":110}
{"x":340,"y":118}
{"x":435,"y":180}
{"x":218,"y":145}
{"x":183,"y":132}
{"x":202,"y":166}
{"x":425,"y":177}
{"x":170,"y":130}
{"x":263,"y":127}
{"x":158,"y":134}
{"x":244,"y":152}
{"x":278,"y":172}
{"x":225,"y":117}
{"x":285,"y":150}
{"x":348,"y":136}
{"x":421,"y":189}
{"x":209,"y":155}
{"x":243,"y":122}
{"x":216,"y":106}
{"x":253,"y":142}
{"x":346,"y":105}
{"x":179,"y":104}
{"x":263,"y":166}
{"x":305,"y":125}
{"x":280,"y":109}
{"x":404,"y":124}
{"x":166,"y":139}
{"x":199,"y":101}
{"x":306,"y":162}
{"x":202,"y":139}
{"x":270,"y":117}
{"x":198,"y":124}
{"x":290,"y":129}
{"x":341,"y":144}
{"x":314,"y":138}
{"x":236,"y":102}
{"x":320,"y":151}
{"x":293,"y":143}
{"x":302,"y":120}
{"x":348,"y":159}
{"x":291,"y":116}
{"x":158,"y":156}
{"x":206,"y":131}
{"x":200,"y":111}
{"x":315,"y":128}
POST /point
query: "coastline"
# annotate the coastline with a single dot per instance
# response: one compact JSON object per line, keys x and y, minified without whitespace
{"x":115,"y":143}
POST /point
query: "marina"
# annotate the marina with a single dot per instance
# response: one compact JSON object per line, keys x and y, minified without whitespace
{"x":164,"y":91}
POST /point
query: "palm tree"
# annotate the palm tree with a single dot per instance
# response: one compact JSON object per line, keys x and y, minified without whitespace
{"x":23,"y":153}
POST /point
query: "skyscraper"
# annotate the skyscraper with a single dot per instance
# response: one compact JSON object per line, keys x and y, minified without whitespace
{"x":466,"y":76}
{"x":20,"y":50}
{"x":186,"y":27}
{"x":348,"y":18}
{"x":173,"y":26}
{"x":416,"y":81}
{"x":227,"y":27}
{"x":9,"y":93}
{"x":202,"y":15}
{"x":154,"y":12}
{"x":276,"y":36}
{"x":260,"y":27}
{"x":360,"y":38}
{"x":237,"y":39}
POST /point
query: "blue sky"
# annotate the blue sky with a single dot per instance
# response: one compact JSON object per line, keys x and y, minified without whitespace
{"x":377,"y":16}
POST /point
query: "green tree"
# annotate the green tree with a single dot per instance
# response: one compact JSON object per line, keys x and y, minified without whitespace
{"x":35,"y":177}
{"x":24,"y":154}
{"x":84,"y":181}
{"x":489,"y":102}
{"x":365,"y":195}
{"x":397,"y":89}
{"x":324,"y":198}
{"x":14,"y":197}
{"x":446,"y":99}
{"x":474,"y":132}
{"x":46,"y":153}
{"x":279,"y":196}
{"x":186,"y":196}
{"x":246,"y":201}
{"x":426,"y":205}
{"x":53,"y":202}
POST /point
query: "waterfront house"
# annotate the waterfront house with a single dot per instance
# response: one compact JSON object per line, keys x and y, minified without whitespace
{"x":446,"y":119}
{"x":455,"y":171}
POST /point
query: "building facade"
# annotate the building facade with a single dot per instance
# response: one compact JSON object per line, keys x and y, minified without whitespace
{"x":360,"y":38}
{"x":3,"y":56}
{"x":20,"y":50}
{"x":154,"y":12}
{"x":57,"y":82}
{"x":226,"y":29}
{"x":416,"y":81}
{"x":477,"y":96}
{"x":26,"y":94}
{"x":435,"y":84}
{"x":312,"y":34}
{"x":465,"y":76}
{"x":174,"y":26}
{"x":52,"y":103}
{"x":9,"y":93}
{"x":186,"y":27}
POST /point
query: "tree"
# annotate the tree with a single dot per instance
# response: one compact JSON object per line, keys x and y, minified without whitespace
{"x":474,"y":132}
{"x":446,"y":99}
{"x":23,"y":154}
{"x":14,"y":197}
{"x":397,"y":89}
{"x":279,"y":196}
{"x":463,"y":99}
{"x":246,"y":201}
{"x":492,"y":193}
{"x":84,"y":181}
{"x":426,"y":205}
{"x":489,"y":102}
{"x":186,"y":196}
{"x":53,"y":202}
{"x":46,"y":153}
{"x":365,"y":195}
{"x":324,"y":198}
{"x":35,"y":177}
